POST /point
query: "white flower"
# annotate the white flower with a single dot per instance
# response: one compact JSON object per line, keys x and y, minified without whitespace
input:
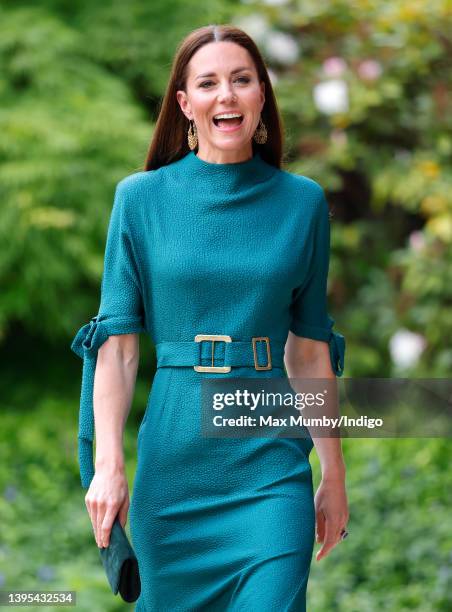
{"x":331,"y":96}
{"x":281,"y":47}
{"x":406,"y":347}
{"x":334,"y":66}
{"x":255,"y":25}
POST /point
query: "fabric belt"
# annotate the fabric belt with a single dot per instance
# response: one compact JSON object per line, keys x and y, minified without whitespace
{"x":218,"y":353}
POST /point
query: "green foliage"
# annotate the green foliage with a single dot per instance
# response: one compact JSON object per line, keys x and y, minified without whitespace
{"x":385,"y":160}
{"x":46,"y":539}
{"x":398,"y":555}
{"x":69,"y":131}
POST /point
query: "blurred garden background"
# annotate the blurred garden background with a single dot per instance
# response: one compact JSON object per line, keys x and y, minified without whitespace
{"x":365,"y":91}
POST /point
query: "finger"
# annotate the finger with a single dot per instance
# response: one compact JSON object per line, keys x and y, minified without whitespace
{"x":106,"y":525}
{"x":330,"y":540}
{"x":122,"y":515}
{"x":93,"y":517}
{"x":320,"y":526}
{"x":89,"y":509}
{"x":99,"y":520}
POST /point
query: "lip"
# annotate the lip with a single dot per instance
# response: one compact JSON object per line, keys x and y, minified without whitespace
{"x":228,"y":129}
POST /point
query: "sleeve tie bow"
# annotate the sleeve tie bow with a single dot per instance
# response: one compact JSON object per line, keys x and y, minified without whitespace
{"x":86,"y":344}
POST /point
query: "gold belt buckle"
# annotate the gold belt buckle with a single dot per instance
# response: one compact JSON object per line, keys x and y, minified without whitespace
{"x":214,"y":338}
{"x":269,"y":357}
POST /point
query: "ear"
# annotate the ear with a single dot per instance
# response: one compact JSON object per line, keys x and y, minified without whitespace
{"x":262,"y":86}
{"x":184,"y":104}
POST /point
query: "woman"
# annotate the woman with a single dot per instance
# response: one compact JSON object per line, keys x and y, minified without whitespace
{"x":213,"y":238}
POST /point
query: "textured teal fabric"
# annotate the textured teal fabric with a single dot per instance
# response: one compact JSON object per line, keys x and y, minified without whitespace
{"x":240,"y":249}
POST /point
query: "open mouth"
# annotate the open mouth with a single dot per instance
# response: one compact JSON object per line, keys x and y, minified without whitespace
{"x":228,"y":122}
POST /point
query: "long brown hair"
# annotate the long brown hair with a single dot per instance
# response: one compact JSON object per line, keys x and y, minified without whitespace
{"x":169,"y":140}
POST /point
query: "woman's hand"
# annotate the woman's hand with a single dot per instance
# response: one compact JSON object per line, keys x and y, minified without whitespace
{"x":331,"y":513}
{"x":107,"y":496}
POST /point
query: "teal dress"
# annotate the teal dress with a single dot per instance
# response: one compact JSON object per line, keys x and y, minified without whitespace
{"x":237,"y":249}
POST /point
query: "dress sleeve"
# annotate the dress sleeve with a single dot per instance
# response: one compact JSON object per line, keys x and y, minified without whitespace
{"x":309,"y":310}
{"x":121,"y":311}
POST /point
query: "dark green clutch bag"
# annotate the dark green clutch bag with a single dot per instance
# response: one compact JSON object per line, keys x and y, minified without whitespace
{"x":121,"y":565}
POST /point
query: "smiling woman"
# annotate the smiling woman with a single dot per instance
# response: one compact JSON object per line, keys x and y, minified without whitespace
{"x":230,"y":101}
{"x":218,"y":254}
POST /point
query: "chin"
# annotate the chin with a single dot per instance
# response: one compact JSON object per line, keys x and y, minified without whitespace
{"x":231,"y":144}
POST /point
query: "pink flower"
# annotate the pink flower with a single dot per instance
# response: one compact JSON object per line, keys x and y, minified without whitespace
{"x":417,"y":240}
{"x":369,"y":70}
{"x":334,"y":66}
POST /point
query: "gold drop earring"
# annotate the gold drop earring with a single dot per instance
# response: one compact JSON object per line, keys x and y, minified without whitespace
{"x":260,"y":135}
{"x":192,"y":136}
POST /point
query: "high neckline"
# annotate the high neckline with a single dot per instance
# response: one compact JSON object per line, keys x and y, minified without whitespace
{"x":213,"y":166}
{"x":229,"y":176}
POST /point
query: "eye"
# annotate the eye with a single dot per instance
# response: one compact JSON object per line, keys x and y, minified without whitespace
{"x":243,"y":79}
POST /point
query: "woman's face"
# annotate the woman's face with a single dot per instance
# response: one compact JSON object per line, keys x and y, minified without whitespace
{"x":222,"y":78}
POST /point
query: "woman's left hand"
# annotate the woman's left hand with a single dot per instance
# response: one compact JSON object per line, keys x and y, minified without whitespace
{"x":332,"y":514}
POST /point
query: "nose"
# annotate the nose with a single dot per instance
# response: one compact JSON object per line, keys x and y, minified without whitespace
{"x":226,"y":92}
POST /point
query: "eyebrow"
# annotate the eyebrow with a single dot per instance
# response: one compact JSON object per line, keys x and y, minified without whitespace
{"x":209,"y":74}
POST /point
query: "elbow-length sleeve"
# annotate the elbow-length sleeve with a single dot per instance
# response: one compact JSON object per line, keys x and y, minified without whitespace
{"x":309,"y":309}
{"x":121,"y":311}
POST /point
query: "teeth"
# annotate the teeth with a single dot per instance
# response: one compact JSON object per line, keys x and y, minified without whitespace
{"x":227,"y":115}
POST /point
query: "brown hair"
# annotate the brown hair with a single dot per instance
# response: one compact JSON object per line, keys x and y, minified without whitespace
{"x":169,"y":140}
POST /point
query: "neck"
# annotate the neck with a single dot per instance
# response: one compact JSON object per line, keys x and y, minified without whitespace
{"x":224,"y":178}
{"x":225,"y":157}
